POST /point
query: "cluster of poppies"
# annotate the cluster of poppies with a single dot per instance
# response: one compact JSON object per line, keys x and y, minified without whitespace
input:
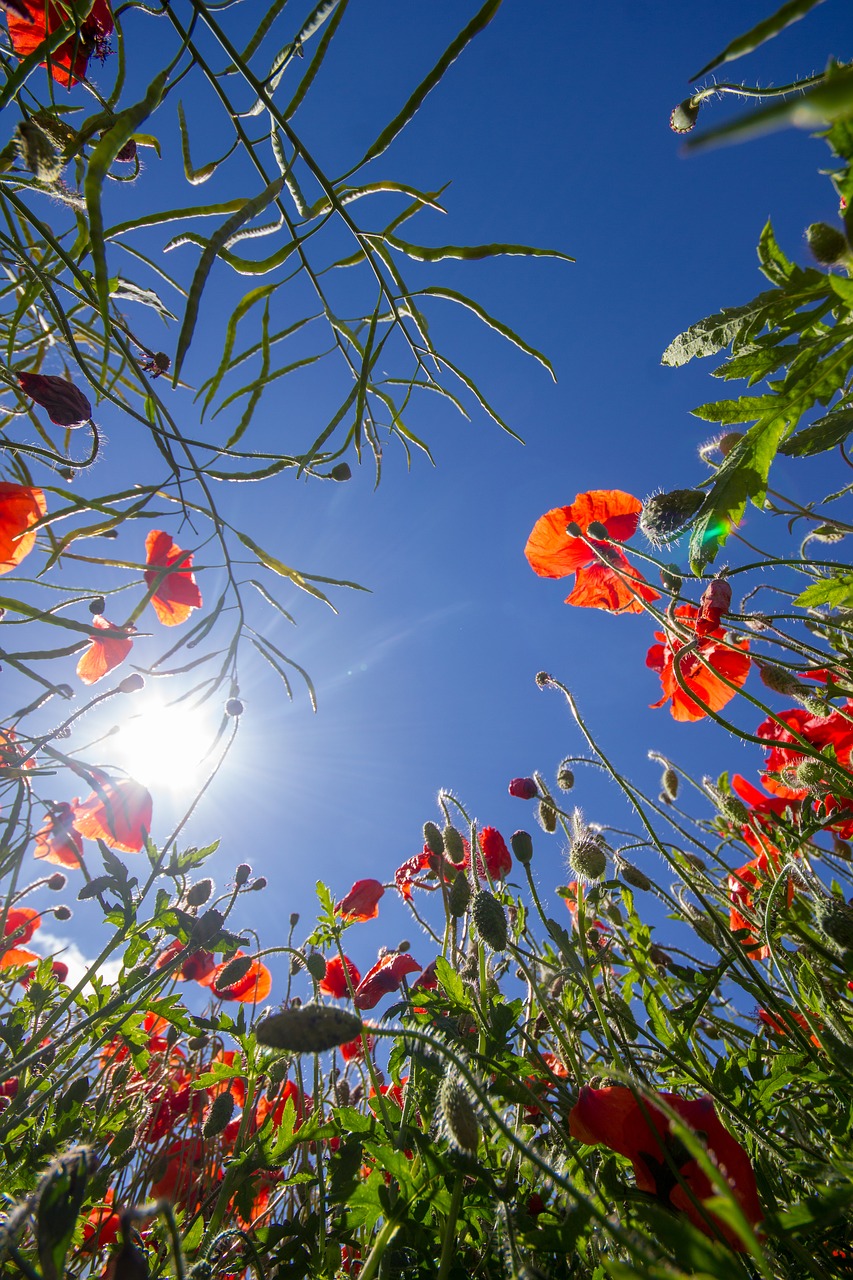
{"x":19,"y":925}
{"x":701,"y":668}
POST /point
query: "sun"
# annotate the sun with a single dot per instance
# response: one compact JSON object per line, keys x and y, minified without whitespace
{"x":166,"y":746}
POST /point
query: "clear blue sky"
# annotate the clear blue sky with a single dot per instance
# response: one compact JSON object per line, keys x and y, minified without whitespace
{"x":553,"y":127}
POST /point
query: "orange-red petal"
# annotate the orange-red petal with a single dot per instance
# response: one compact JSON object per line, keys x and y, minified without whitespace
{"x":177,"y":594}
{"x":20,"y":508}
{"x":552,"y":553}
{"x":600,"y":586}
{"x":119,"y":813}
{"x":105,"y":653}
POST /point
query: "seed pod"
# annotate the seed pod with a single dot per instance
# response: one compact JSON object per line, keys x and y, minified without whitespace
{"x":453,"y":844}
{"x":633,"y":876}
{"x":458,"y":1116}
{"x":459,"y":895}
{"x":490,"y":918}
{"x":834,"y":919}
{"x":828,"y":245}
{"x":565,"y":777}
{"x":522,"y":846}
{"x":669,"y":783}
{"x":683,"y":117}
{"x":219,"y":1115}
{"x":666,"y":515}
{"x":547,"y":815}
{"x":587,"y":858}
{"x":312,"y":1028}
{"x":66,"y":405}
{"x":433,"y":839}
{"x":198,"y":893}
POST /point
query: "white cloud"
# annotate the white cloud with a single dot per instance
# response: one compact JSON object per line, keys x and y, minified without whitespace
{"x":69,"y":953}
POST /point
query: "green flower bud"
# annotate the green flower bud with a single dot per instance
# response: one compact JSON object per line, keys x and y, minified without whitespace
{"x":490,"y":918}
{"x":38,"y":152}
{"x":310,"y":1028}
{"x":453,"y":846}
{"x":587,"y":858}
{"x":459,"y":895}
{"x":522,"y":847}
{"x":633,"y":876}
{"x":669,"y":783}
{"x":198,"y":893}
{"x":219,"y":1115}
{"x":565,"y":777}
{"x":547,"y":815}
{"x":828,"y":245}
{"x":834,"y":919}
{"x":666,"y":515}
{"x":316,"y":965}
{"x":341,"y":471}
{"x":234,"y":971}
{"x":683,"y":117}
{"x":433,"y":839}
{"x":459,"y":1119}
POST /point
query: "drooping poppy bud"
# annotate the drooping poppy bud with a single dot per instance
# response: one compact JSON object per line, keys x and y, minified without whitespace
{"x":565,"y":777}
{"x":828,"y":245}
{"x":65,"y":404}
{"x":683,"y":117}
{"x":523,"y":788}
{"x":666,"y":515}
{"x":633,"y":876}
{"x":221,"y":1110}
{"x":522,"y":846}
{"x":38,"y":152}
{"x":311,"y":1028}
{"x":547,"y":815}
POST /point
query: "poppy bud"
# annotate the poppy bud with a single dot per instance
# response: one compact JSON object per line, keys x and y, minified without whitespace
{"x":233,"y":972}
{"x":312,"y":1028}
{"x":198,"y":893}
{"x":523,"y":788}
{"x":221,"y":1110}
{"x":259,"y":884}
{"x":522,"y":846}
{"x":242,"y":874}
{"x":828,"y":245}
{"x":234,"y":707}
{"x":458,"y":1115}
{"x":565,"y":778}
{"x":778,"y":679}
{"x":599,"y":531}
{"x":633,"y":876}
{"x":834,"y":919}
{"x":728,"y":805}
{"x":132,"y":683}
{"x":669,"y":783}
{"x":683,"y":117}
{"x":811,"y":774}
{"x":38,"y":152}
{"x":294,"y":919}
{"x":459,"y":895}
{"x":57,"y":881}
{"x":453,"y":844}
{"x":341,"y":471}
{"x":316,"y":965}
{"x":543,"y":679}
{"x":666,"y":515}
{"x":127,"y":154}
{"x":547,"y":815}
{"x":587,"y":858}
{"x":97,"y":605}
{"x":62,"y":913}
{"x":490,"y":918}
{"x":66,"y":405}
{"x":433,"y":839}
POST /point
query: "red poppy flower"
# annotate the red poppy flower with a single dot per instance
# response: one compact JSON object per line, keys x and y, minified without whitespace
{"x":779,"y":1028}
{"x":119,"y":813}
{"x":702,"y":674}
{"x":20,"y":508}
{"x":275,"y":1109}
{"x":183,"y":1172}
{"x":199,"y":966}
{"x":177,"y":594}
{"x":424,"y":868}
{"x":742,"y":884}
{"x":13,"y":957}
{"x":362,"y":901}
{"x":334,"y":982}
{"x":497,"y":856}
{"x":385,"y":977}
{"x":821,"y":732}
{"x":22,"y":922}
{"x":104,"y":653}
{"x":427,"y":980}
{"x":614,"y":1117}
{"x":353,"y":1050}
{"x":764,"y":810}
{"x":523,"y":788}
{"x":103,"y":1224}
{"x":553,"y":553}
{"x":69,"y":62}
{"x":58,"y":840}
{"x":251,"y":988}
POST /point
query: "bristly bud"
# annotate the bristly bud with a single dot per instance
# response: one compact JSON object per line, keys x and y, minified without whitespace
{"x":219,"y":1115}
{"x":341,"y":471}
{"x":459,"y":895}
{"x":259,"y":884}
{"x":294,"y":919}
{"x":542,"y":677}
{"x":311,"y":1028}
{"x":683,"y":117}
{"x":811,"y":774}
{"x":666,"y":515}
{"x":780,"y":680}
{"x":97,"y":605}
{"x":129,"y":1263}
{"x":523,"y":788}
{"x":728,"y":805}
{"x":234,"y":707}
{"x":522,"y":847}
{"x":65,"y":404}
{"x":546,"y":815}
{"x":828,"y":245}
{"x":565,"y":777}
{"x":834,"y":919}
{"x":198,"y":893}
{"x":490,"y":918}
{"x":458,"y":1116}
{"x":242,"y":874}
{"x":587,"y":858}
{"x":633,"y":876}
{"x":57,"y":881}
{"x":316,"y":965}
{"x":598,"y":531}
{"x":728,"y":441}
{"x":38,"y":152}
{"x":433,"y":839}
{"x":669,"y":784}
{"x":233,"y":972}
{"x":453,"y":844}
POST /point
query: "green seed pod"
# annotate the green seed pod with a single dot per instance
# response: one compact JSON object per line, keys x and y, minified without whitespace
{"x":219,"y":1115}
{"x":316,"y":965}
{"x":669,"y":783}
{"x":547,"y":815}
{"x":198,"y":893}
{"x":565,"y":777}
{"x":666,"y":515}
{"x":459,"y":895}
{"x":633,"y":876}
{"x":587,"y":858}
{"x":458,"y":1116}
{"x":834,"y":919}
{"x":490,"y":918}
{"x":38,"y":152}
{"x":310,"y":1028}
{"x":453,"y":845}
{"x":828,"y":245}
{"x":433,"y":839}
{"x":780,"y":680}
{"x":683,"y":117}
{"x":522,"y":846}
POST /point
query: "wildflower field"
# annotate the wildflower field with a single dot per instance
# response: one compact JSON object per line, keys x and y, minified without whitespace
{"x":585,"y":1095}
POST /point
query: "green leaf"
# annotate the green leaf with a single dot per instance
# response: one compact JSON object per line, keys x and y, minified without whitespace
{"x":823,"y":434}
{"x":760,"y":33}
{"x":775,"y":265}
{"x":719,"y":331}
{"x":742,"y":476}
{"x":745,"y":409}
{"x":468,"y":252}
{"x":836,"y":591}
{"x":450,"y":980}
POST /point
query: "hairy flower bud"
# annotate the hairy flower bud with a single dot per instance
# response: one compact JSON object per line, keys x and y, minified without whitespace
{"x":547,"y":815}
{"x":834,"y":919}
{"x":66,"y":405}
{"x":257,"y":885}
{"x":459,"y":895}
{"x":233,"y":972}
{"x":828,"y":245}
{"x":57,"y":881}
{"x":458,"y":1116}
{"x":433,"y":839}
{"x":198,"y":893}
{"x":97,"y":605}
{"x":38,"y":152}
{"x":683,"y":117}
{"x":778,"y":679}
{"x":586,"y":856}
{"x":728,"y":805}
{"x":242,"y":874}
{"x":633,"y":876}
{"x":666,"y":515}
{"x":522,"y":846}
{"x":310,"y":1028}
{"x":453,"y":845}
{"x":669,"y":783}
{"x":490,"y":918}
{"x":62,"y":913}
{"x":221,"y":1110}
{"x":132,"y":683}
{"x":565,"y":777}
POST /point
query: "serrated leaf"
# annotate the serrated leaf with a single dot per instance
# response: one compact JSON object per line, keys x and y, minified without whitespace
{"x":707,"y":337}
{"x":775,"y":265}
{"x":836,"y":591}
{"x":823,"y":434}
{"x":760,"y":33}
{"x":744,"y":409}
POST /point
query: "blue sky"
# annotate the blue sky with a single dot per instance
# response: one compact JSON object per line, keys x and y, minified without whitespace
{"x":553,"y":127}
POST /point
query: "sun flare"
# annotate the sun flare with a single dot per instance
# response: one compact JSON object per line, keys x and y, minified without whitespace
{"x":166,"y":746}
